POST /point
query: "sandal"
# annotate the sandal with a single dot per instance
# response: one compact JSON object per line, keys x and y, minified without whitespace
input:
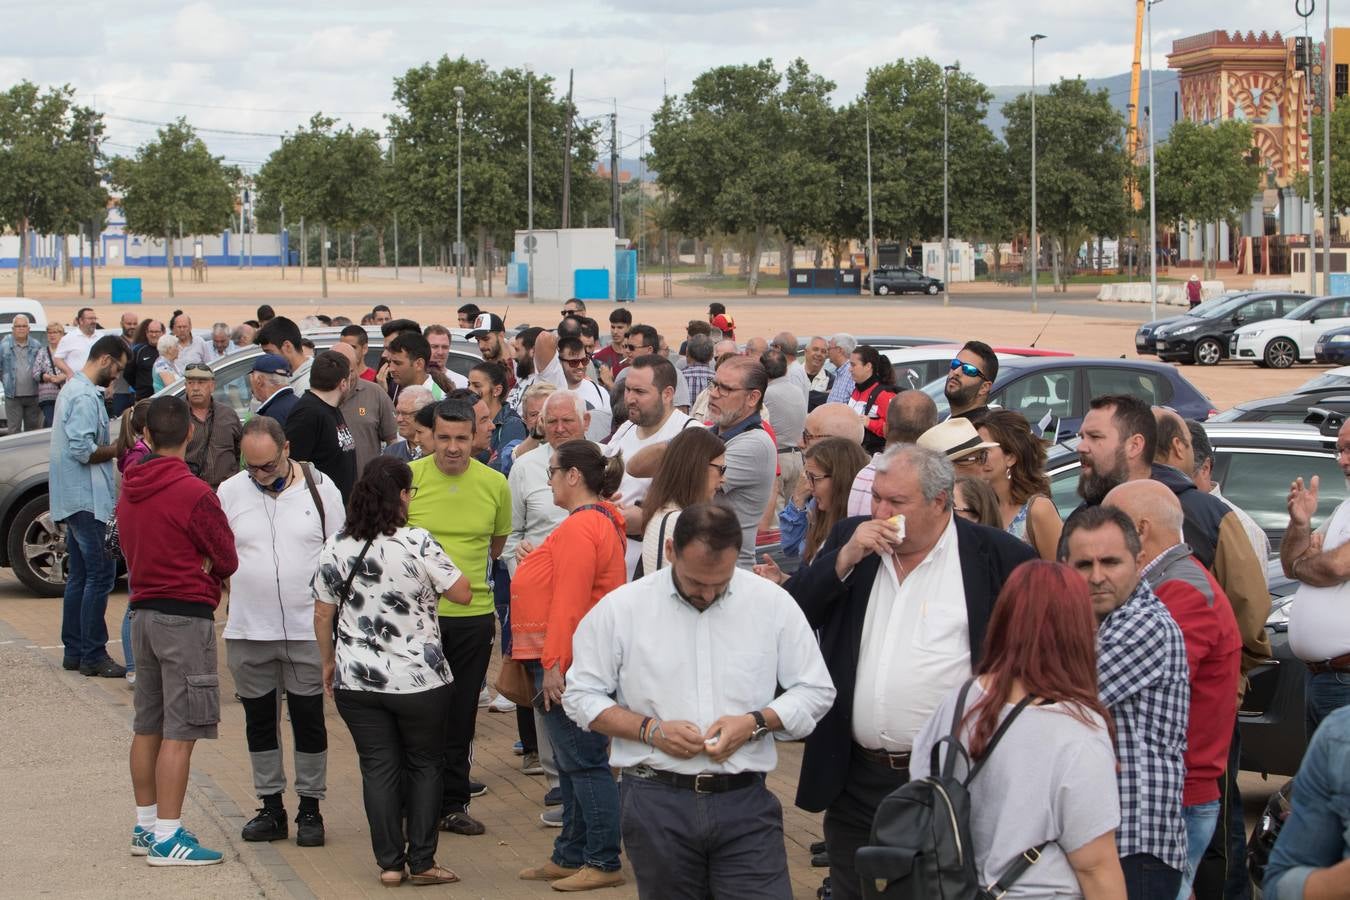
{"x":434,"y":875}
{"x":393,"y":877}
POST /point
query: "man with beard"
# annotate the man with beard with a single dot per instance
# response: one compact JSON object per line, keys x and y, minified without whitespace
{"x":973,"y":372}
{"x":367,"y":410}
{"x":82,"y":496}
{"x":522,"y":349}
{"x":489,"y":331}
{"x":737,"y":392}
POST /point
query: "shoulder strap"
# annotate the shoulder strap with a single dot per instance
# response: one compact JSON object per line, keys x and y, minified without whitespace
{"x":347,"y":585}
{"x":318,"y":503}
{"x":1031,"y":529}
{"x":952,"y":738}
{"x":598,"y":507}
{"x":872,"y":396}
{"x":661,"y":539}
{"x":998,"y":734}
{"x":1025,"y":860}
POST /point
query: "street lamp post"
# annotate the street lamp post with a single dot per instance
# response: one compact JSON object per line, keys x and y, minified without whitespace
{"x":1152,"y":198}
{"x":1328,"y":214}
{"x":459,"y":186}
{"x":1035,"y":244}
{"x":871,"y":235}
{"x":529,"y":173}
{"x":946,"y":238}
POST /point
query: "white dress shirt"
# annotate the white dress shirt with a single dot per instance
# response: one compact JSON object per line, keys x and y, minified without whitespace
{"x":643,"y":647}
{"x":1319,"y":628}
{"x":915,"y":647}
{"x":195,"y":351}
{"x":534,"y":515}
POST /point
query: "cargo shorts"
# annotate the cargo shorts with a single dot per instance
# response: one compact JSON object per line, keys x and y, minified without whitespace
{"x":177,"y":692}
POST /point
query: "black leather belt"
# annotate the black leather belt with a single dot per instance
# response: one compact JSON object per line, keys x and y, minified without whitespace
{"x":704,"y":783}
{"x":898,"y":761}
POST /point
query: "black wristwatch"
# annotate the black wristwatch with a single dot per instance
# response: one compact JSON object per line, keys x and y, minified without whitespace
{"x":761,"y":726}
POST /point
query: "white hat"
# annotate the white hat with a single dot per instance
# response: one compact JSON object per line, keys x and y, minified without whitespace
{"x":955,"y":438}
{"x":1195,"y":278}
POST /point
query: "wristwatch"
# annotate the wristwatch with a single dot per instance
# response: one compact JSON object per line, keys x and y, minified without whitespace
{"x":761,"y":726}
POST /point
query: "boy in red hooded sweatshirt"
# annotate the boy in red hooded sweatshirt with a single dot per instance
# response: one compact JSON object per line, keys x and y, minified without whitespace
{"x":179,"y":551}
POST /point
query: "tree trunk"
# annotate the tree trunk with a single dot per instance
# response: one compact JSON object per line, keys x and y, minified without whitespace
{"x":480,"y":266}
{"x":23,"y":255}
{"x":323,"y":259}
{"x":718,"y":260}
{"x":700,"y":252}
{"x":379,"y":241}
{"x":820,"y":255}
{"x":836,"y":249}
{"x":168,"y":260}
{"x":1054,"y":264}
{"x":785,"y":259}
{"x":750,"y":262}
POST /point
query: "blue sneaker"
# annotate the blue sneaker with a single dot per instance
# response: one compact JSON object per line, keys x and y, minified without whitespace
{"x":518,"y":748}
{"x":142,"y":839}
{"x":182,"y":849}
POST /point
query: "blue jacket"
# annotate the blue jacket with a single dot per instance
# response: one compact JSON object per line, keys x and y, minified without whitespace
{"x":8,"y":356}
{"x":79,"y":427}
{"x":1317,"y":832}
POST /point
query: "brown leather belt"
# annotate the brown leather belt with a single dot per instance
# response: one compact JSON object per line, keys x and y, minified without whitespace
{"x":898,"y":761}
{"x":1339,"y":664}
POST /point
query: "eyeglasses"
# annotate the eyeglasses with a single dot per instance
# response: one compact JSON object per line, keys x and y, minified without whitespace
{"x":721,"y":468}
{"x":553,"y":470}
{"x":575,"y":363}
{"x":964,"y":510}
{"x":813,"y":479}
{"x":978,"y":458}
{"x":266,"y":468}
{"x":412,"y":492}
{"x":721,"y":388}
{"x":968,"y":370}
{"x":634,"y":348}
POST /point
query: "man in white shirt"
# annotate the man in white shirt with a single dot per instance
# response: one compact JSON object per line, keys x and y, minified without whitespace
{"x":220,"y":342}
{"x":697,"y":819}
{"x":572,"y":356}
{"x":438,"y":341}
{"x":649,"y":395}
{"x":901,"y":617}
{"x":813,"y":365}
{"x":786,"y":404}
{"x":281,"y":512}
{"x":1319,"y":626}
{"x":72,"y":352}
{"x":786,"y":341}
{"x":190,"y":347}
{"x":534,"y":515}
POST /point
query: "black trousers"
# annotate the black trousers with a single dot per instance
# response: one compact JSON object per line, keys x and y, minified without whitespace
{"x":467,"y":642}
{"x":848,"y":821}
{"x":400,"y":742}
{"x":1222,"y":873}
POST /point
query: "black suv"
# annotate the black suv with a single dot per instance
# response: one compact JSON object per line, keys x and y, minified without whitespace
{"x":1202,"y":335}
{"x":902,"y":281}
{"x":1144,"y":342}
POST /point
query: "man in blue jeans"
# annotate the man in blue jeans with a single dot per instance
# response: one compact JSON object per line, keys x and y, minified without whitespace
{"x":82,"y":499}
{"x":1311,"y":858}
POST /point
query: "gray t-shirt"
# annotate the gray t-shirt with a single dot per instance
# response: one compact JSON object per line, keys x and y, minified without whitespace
{"x":787,"y":411}
{"x":1051,"y":778}
{"x":751,"y":461}
{"x":25,"y":385}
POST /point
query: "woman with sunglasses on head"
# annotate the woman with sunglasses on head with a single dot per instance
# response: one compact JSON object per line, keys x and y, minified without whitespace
{"x":873,"y":390}
{"x":1015,"y":469}
{"x":821,"y":498}
{"x":692,"y":471}
{"x":580,"y":562}
{"x":381,"y":580}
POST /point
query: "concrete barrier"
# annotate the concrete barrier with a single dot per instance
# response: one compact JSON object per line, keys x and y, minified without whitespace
{"x":1168,"y":294}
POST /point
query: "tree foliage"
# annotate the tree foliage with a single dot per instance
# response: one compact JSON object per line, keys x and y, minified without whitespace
{"x":1340,"y":160}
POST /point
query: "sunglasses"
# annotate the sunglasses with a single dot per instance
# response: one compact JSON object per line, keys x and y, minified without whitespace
{"x":968,"y":370}
{"x":575,"y":363}
{"x":634,"y":348}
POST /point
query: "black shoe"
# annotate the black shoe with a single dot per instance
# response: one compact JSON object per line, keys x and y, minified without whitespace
{"x":823,"y":892}
{"x":820,"y":860}
{"x":308,"y":829}
{"x":104,"y":668}
{"x":69,"y":663}
{"x":268,"y":825}
{"x":477,"y":789}
{"x":553,"y":797}
{"x":461,"y":823}
{"x":818,"y":847}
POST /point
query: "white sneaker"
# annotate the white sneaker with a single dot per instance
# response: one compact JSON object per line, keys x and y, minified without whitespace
{"x":131,"y":678}
{"x":501,"y":705}
{"x":484,"y":697}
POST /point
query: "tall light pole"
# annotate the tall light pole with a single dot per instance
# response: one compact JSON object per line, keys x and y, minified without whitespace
{"x":1152,"y":199}
{"x":529,"y":172}
{"x":1035,"y":245}
{"x":871,"y":235}
{"x":946,"y":238}
{"x":459,"y":186}
{"x":393,"y":162}
{"x":1328,"y":214}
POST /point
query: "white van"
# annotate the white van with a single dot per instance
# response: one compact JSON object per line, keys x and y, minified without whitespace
{"x":13,"y":306}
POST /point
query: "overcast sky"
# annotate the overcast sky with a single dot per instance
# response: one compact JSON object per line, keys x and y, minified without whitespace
{"x":266,"y":66}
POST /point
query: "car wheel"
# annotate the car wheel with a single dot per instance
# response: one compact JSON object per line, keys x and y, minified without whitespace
{"x":37,"y":549}
{"x":932,"y":289}
{"x":883,"y":289}
{"x":1281,"y":353}
{"x":1208,"y":352}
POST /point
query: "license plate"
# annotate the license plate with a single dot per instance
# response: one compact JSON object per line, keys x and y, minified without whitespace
{"x":1161,"y":345}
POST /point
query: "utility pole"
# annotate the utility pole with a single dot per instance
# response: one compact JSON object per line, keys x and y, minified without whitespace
{"x":529,"y":175}
{"x":614,"y":170}
{"x":871,"y":234}
{"x":393,"y":164}
{"x":283,"y":247}
{"x":946,"y":237}
{"x":459,"y":195}
{"x":567,"y":158}
{"x":1312,"y":154}
{"x":1152,"y":181}
{"x":1035,"y":244}
{"x":93,"y":221}
{"x":419,"y":254}
{"x":304,"y":249}
{"x":642,"y":154}
{"x":1328,"y":214}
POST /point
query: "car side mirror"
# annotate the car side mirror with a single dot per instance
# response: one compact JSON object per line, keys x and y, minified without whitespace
{"x":1312,"y":320}
{"x":1238,"y":318}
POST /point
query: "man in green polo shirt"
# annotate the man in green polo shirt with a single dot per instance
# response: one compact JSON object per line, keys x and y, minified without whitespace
{"x":467,"y":507}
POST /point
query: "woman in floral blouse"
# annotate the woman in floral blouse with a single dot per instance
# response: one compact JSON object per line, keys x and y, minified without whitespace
{"x":386,"y":670}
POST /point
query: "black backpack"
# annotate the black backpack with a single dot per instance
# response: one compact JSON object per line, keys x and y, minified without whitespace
{"x":921,"y":846}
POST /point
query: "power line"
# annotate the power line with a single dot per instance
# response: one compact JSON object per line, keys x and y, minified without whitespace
{"x":264,"y":134}
{"x":302,"y":112}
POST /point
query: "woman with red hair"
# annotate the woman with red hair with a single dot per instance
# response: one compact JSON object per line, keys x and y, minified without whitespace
{"x":1051,"y":780}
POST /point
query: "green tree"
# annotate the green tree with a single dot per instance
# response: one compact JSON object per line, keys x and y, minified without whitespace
{"x":174,"y":181}
{"x":1340,"y":161}
{"x":47,"y":164}
{"x":1081,"y":166}
{"x":1206,"y":173}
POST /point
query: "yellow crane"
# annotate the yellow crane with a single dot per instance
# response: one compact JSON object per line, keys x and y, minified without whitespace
{"x":1132,"y":131}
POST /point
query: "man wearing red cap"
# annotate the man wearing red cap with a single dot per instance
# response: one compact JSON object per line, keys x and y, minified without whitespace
{"x":721,"y":320}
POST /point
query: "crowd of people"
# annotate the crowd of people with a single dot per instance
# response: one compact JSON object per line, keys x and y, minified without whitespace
{"x":598,"y":507}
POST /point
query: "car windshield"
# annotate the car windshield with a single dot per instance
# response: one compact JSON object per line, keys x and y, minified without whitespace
{"x":1332,"y":379}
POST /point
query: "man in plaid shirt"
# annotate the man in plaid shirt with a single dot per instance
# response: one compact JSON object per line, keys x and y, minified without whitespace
{"x":1142,"y":679}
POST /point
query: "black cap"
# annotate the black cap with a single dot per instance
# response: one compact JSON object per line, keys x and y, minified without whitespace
{"x":486,"y":323}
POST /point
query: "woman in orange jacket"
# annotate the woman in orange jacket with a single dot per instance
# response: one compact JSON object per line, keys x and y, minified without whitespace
{"x":554,"y":587}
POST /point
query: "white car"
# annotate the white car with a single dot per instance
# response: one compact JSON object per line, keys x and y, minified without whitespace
{"x":13,"y":306}
{"x":917,"y":366}
{"x":1279,"y":343}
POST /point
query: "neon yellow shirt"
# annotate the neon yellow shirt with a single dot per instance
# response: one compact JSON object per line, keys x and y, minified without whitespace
{"x":464,"y":513}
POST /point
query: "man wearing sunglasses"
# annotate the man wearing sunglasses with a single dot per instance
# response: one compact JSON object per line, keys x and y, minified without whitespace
{"x":641,"y":341}
{"x":972,"y":377}
{"x":572,"y":354}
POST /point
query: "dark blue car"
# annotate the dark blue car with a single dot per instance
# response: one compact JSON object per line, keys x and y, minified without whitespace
{"x":1333,"y":347}
{"x":1048,"y":388}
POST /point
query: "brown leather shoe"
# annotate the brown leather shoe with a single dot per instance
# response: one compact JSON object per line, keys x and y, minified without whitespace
{"x":588,"y":879}
{"x":549,"y":871}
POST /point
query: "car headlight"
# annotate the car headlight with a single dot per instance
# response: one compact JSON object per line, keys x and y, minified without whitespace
{"x":1278,"y":620}
{"x":1187,"y":330}
{"x":1249,"y":334}
{"x":1340,"y":338}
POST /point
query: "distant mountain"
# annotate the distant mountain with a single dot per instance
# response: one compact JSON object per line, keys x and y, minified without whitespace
{"x":1164,"y":99}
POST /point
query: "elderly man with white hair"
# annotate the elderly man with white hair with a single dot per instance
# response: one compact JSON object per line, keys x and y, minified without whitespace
{"x":219,"y":345}
{"x":840,"y":347}
{"x":410,"y":400}
{"x":17,"y":352}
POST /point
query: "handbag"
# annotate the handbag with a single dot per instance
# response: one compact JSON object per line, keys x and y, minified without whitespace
{"x":514,"y":682}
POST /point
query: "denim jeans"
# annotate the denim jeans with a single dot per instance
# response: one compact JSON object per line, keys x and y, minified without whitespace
{"x":84,"y":633}
{"x":1325,"y":693}
{"x":1317,"y":833}
{"x":1148,"y":878}
{"x":590,"y":832}
{"x":1200,"y":821}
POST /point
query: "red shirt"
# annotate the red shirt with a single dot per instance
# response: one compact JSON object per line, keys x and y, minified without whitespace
{"x":610,"y":357}
{"x":368,"y":374}
{"x":1214,"y":656}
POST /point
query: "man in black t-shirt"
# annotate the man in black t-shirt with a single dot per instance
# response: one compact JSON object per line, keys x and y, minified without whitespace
{"x":315,"y":428}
